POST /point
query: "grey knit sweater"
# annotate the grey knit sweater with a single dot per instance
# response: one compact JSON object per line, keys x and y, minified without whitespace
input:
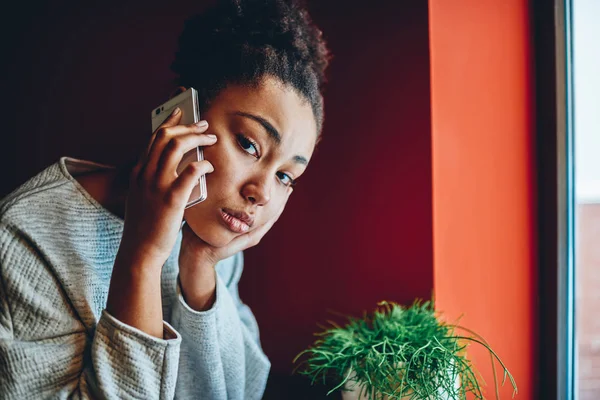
{"x":57,"y":249}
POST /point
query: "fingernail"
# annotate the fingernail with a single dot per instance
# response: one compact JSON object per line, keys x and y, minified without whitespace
{"x":176,"y":111}
{"x":214,"y":137}
{"x":201,"y":124}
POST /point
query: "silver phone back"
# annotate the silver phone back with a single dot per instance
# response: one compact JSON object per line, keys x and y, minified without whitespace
{"x":188,"y":103}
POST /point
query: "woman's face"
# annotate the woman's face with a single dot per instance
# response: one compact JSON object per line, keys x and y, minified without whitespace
{"x":265,"y":138}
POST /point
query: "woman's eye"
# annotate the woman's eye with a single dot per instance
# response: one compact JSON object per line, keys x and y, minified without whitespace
{"x":247,"y":145}
{"x":286,"y":179}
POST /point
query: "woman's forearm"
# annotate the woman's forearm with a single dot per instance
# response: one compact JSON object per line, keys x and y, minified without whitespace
{"x":198,"y":282}
{"x":154,"y":209}
{"x":134,"y":296}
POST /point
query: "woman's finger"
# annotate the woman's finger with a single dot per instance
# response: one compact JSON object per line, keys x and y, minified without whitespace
{"x":173,"y":152}
{"x":175,"y":130}
{"x":188,"y":179}
{"x":171,"y":121}
{"x":163,"y":137}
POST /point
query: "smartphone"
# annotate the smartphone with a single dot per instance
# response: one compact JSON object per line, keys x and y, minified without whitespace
{"x":190,"y":113}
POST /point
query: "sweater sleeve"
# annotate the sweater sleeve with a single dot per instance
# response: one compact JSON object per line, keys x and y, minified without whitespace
{"x":46,"y":352}
{"x":130,"y":363}
{"x":221,"y":356}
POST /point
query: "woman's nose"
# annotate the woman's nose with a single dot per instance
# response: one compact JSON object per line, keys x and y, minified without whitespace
{"x":257,"y":193}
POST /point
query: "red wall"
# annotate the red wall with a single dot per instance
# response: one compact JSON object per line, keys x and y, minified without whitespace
{"x":357,"y":229}
{"x":484,"y":179}
{"x":358,"y":226}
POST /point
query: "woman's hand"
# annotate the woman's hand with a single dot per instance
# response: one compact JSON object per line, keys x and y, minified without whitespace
{"x":197,"y":260}
{"x":154,"y":210}
{"x":157,"y":195}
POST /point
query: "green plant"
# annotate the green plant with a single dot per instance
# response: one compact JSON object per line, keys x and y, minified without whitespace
{"x":398,"y":352}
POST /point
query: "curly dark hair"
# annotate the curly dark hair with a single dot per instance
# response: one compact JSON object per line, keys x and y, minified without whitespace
{"x":242,"y":41}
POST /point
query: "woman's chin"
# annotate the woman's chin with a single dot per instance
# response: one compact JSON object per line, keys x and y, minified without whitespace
{"x":218,"y":240}
{"x":217,"y":237}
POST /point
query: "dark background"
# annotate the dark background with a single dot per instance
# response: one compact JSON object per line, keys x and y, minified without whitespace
{"x":80,"y":80}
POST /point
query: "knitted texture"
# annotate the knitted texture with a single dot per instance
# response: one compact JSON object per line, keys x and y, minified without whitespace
{"x":57,"y":250}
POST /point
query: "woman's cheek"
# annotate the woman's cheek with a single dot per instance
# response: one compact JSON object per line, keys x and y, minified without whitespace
{"x":276,"y":206}
{"x":224,"y":165}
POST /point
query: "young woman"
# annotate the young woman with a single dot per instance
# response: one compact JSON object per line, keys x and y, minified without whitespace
{"x":103,"y":294}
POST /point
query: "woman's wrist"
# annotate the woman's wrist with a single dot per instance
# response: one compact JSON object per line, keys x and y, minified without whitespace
{"x":198,"y":290}
{"x":197,"y":278}
{"x":134,"y":293}
{"x":138,"y":263}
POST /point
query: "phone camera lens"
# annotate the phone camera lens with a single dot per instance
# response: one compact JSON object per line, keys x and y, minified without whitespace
{"x":157,"y":111}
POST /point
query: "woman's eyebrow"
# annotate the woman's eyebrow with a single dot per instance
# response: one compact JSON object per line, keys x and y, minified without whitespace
{"x":273,"y":133}
{"x":301,"y":160}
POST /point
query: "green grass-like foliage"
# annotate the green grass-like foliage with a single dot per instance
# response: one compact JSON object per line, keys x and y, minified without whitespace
{"x":398,"y":352}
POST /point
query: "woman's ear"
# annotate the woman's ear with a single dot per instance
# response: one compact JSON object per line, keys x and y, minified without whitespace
{"x":177,"y":90}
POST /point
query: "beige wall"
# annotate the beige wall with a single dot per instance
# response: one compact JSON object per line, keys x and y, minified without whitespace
{"x":587,"y":296}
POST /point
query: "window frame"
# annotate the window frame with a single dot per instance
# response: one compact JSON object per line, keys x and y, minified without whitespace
{"x":552,"y":36}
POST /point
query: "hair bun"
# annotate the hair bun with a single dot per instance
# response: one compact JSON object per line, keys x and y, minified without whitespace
{"x":242,"y":40}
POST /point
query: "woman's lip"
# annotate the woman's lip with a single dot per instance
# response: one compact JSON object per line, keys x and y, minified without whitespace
{"x":233,"y":224}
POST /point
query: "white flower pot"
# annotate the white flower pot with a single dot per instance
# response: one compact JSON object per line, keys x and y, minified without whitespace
{"x":352,"y":392}
{"x":353,"y":388}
